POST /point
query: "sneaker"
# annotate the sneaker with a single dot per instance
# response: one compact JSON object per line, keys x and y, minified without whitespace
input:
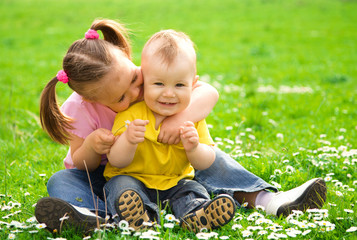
{"x":130,"y":207}
{"x":214,"y":214}
{"x":58,"y":215}
{"x":311,"y":194}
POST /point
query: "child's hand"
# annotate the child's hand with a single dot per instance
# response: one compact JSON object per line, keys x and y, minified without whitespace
{"x":102,"y":140}
{"x":136,"y":131}
{"x":189,"y":136}
{"x":170,"y":131}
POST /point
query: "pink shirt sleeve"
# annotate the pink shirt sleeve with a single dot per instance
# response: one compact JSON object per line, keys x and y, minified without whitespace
{"x":87,"y":118}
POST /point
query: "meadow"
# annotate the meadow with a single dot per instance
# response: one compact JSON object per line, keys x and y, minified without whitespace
{"x":286,"y":72}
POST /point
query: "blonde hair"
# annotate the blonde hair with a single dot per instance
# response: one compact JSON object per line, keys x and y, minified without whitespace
{"x":86,"y":62}
{"x":171,"y":43}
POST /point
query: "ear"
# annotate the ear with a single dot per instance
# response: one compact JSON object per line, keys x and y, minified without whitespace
{"x":195,"y":80}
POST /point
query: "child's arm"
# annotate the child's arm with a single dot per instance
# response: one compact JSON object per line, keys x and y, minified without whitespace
{"x":204,"y":98}
{"x":91,"y":148}
{"x":123,"y":150}
{"x":200,"y":155}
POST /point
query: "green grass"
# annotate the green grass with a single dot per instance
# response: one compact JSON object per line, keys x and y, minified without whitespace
{"x":243,"y":48}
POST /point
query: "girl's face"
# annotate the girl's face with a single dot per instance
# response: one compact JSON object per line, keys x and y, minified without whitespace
{"x":123,"y":85}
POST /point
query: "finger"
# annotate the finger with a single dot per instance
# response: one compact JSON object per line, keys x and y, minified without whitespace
{"x":193,"y":139}
{"x":189,"y":124}
{"x":165,"y":139}
{"x":161,"y":137}
{"x":139,"y":139}
{"x":140,"y":129}
{"x":190,"y":134}
{"x":177,"y":140}
{"x":139,"y":134}
{"x":107,"y":138}
{"x":171,"y":140}
{"x":140,"y":122}
{"x":187,"y":130}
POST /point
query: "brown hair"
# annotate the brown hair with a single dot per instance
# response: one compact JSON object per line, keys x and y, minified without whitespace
{"x":86,"y":62}
{"x":170,"y":45}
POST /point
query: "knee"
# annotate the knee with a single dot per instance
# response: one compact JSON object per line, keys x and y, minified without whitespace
{"x":56,"y":179}
{"x":121,"y":183}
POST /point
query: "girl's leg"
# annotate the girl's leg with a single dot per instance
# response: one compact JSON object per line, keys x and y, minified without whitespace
{"x":227,"y":176}
{"x":71,"y":198}
{"x":72,"y":186}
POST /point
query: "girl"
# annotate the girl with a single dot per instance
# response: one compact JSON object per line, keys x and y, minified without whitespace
{"x":105,"y":81}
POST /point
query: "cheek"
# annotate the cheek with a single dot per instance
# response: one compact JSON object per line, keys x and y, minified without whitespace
{"x":119,"y":107}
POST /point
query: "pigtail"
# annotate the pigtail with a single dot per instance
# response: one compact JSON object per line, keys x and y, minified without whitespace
{"x":114,"y":33}
{"x":52,"y":119}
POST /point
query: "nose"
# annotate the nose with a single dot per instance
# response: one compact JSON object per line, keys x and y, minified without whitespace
{"x":135,"y":91}
{"x":168,"y":92}
{"x":140,"y":79}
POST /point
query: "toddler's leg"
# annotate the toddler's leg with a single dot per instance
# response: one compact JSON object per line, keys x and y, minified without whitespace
{"x":191,"y":204}
{"x":127,"y":197}
{"x":213,"y":214}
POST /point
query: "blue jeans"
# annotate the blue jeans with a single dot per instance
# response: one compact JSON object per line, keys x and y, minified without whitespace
{"x":224,"y":176}
{"x":185,"y":197}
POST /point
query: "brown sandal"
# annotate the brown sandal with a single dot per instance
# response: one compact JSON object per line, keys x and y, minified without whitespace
{"x":130,"y":207}
{"x":214,"y":214}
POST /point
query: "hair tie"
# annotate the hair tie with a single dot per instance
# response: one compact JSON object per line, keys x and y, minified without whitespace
{"x":62,"y":76}
{"x":91,"y":34}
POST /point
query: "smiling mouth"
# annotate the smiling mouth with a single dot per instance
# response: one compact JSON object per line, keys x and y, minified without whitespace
{"x":167,"y":103}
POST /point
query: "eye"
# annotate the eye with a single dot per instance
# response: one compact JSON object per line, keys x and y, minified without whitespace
{"x":158,"y":84}
{"x":122,"y":98}
{"x":180,"y":85}
{"x":134,"y":79}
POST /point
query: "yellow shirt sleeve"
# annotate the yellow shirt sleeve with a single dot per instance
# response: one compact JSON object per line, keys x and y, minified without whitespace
{"x":203,"y":133}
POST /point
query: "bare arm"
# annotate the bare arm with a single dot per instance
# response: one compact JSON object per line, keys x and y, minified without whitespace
{"x":122,"y":152}
{"x":91,"y":148}
{"x":204,"y":98}
{"x":200,"y":155}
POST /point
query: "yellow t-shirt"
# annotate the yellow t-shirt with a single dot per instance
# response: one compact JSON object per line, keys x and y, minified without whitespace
{"x":159,"y":166}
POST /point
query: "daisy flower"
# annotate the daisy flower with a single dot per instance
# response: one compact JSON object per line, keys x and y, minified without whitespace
{"x":352,"y":229}
{"x":170,"y":218}
{"x":41,"y":225}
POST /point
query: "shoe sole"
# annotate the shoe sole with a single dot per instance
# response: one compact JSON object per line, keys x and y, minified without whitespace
{"x":50,"y":210}
{"x":130,"y":207}
{"x":313,"y":197}
{"x":216,"y":214}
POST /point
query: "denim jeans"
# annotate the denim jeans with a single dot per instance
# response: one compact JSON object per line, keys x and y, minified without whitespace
{"x":186,"y":196}
{"x":224,"y":176}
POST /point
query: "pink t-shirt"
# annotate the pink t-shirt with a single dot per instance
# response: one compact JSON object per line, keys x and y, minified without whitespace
{"x":87,"y":118}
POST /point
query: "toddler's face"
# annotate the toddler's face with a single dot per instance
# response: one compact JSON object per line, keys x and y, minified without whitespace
{"x":122,"y":86}
{"x":168,"y":88}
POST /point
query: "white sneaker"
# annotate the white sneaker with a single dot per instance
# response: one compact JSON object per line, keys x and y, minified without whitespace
{"x":311,"y":194}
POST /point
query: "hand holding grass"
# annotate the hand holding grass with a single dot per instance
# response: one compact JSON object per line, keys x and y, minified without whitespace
{"x":136,"y":131}
{"x":101,"y":140}
{"x":123,"y":150}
